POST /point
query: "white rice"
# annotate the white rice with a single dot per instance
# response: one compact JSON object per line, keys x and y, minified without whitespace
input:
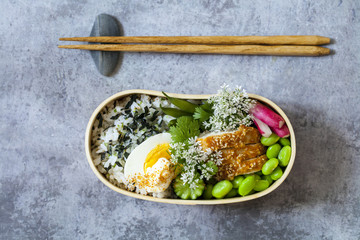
{"x":118,"y":130}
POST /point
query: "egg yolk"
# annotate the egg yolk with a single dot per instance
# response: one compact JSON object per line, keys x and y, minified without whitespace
{"x":160,"y":151}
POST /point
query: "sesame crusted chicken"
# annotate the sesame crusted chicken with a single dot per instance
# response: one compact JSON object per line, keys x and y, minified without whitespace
{"x":229,"y":170}
{"x":238,"y":139}
{"x":241,"y":151}
{"x":241,"y":154}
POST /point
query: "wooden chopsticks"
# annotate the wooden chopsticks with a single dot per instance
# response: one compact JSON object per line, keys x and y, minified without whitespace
{"x":243,"y":45}
{"x":282,"y":50}
{"x":226,"y":40}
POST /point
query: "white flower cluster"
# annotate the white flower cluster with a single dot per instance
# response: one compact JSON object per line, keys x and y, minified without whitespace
{"x":231,"y":109}
{"x":194,"y":159}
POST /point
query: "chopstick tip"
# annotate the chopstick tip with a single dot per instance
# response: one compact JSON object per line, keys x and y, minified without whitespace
{"x":65,"y":39}
{"x":322,"y":51}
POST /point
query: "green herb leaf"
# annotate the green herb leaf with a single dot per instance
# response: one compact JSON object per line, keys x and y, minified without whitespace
{"x":207,"y":107}
{"x":172,"y":123}
{"x":186,"y":127}
{"x":201,"y":114}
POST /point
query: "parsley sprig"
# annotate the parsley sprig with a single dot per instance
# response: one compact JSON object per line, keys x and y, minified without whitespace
{"x":186,"y":127}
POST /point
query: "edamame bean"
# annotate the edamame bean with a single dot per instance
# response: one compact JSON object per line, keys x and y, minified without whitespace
{"x":237,"y":181}
{"x":208,"y":191}
{"x":261,"y":185}
{"x":232,"y":193}
{"x":267,"y":178}
{"x":276,"y":174}
{"x":222,"y":188}
{"x":284,"y":156}
{"x":257,"y":177}
{"x":285,"y":141}
{"x":269,"y":166}
{"x":252,"y":191}
{"x":273,"y":151}
{"x":268,"y":141}
{"x":247,"y":185}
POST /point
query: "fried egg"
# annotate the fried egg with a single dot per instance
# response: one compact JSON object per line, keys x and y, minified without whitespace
{"x":148,"y":166}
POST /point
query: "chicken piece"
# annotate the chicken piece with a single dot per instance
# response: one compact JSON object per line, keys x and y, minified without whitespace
{"x":241,"y":150}
{"x":231,"y":169}
{"x":238,"y":139}
{"x":241,"y":154}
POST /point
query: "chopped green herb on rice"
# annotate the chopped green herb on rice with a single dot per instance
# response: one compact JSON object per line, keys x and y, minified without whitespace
{"x":120,"y":128}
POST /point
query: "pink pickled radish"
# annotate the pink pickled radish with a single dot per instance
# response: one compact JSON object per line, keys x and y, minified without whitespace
{"x":281,"y":132}
{"x":267,"y":116}
{"x":262,"y":127}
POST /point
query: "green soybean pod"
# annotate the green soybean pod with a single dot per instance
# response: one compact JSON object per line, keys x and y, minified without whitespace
{"x":237,"y":181}
{"x":261,"y":185}
{"x":269,"y":166}
{"x":267,"y":178}
{"x":208,"y":191}
{"x":284,"y":156}
{"x":273,"y":151}
{"x":247,"y":185}
{"x":222,"y":188}
{"x":257,"y":177}
{"x":233,"y":192}
{"x":182,"y":104}
{"x":174,"y":112}
{"x":276,"y":174}
{"x":268,"y":141}
{"x":285,"y":141}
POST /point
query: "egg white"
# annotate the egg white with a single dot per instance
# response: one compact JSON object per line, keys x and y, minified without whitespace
{"x":134,"y":165}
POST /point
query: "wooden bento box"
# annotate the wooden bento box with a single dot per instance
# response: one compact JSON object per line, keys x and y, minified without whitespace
{"x":239,"y":199}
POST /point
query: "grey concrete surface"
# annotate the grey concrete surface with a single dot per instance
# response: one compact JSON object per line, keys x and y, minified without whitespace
{"x":48,"y":191}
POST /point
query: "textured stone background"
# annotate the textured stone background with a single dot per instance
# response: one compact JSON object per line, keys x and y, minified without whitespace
{"x":48,"y":191}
